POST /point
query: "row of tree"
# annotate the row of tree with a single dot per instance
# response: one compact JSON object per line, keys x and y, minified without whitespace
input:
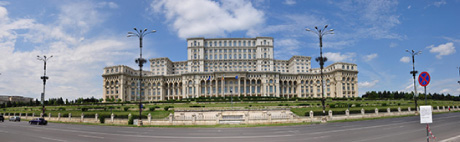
{"x":407,"y":95}
{"x":52,"y":101}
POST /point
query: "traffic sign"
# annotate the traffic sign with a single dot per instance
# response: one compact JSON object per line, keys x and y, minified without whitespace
{"x":424,"y":78}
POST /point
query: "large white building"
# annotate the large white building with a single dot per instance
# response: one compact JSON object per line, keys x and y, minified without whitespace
{"x":229,"y":66}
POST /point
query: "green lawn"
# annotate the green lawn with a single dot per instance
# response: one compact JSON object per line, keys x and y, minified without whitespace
{"x":297,"y":107}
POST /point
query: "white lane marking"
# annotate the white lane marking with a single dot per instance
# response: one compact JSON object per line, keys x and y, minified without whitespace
{"x":53,"y":139}
{"x":89,"y":136}
{"x":456,"y":138}
{"x":1,"y":131}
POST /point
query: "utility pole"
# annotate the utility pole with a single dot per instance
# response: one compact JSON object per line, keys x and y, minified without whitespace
{"x":321,"y":59}
{"x":414,"y":73}
{"x":44,"y":78}
{"x":140,"y":61}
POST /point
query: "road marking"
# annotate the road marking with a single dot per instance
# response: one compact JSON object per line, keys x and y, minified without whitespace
{"x":88,"y":136}
{"x":53,"y":139}
{"x":451,"y":139}
{"x":1,"y":131}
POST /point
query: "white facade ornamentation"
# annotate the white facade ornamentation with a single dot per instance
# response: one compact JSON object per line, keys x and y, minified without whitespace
{"x":223,"y":67}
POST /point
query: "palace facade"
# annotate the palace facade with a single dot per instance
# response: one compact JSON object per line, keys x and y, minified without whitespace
{"x":229,"y":67}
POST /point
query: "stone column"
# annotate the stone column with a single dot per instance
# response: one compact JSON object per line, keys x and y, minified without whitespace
{"x":111,"y":117}
{"x":347,"y":112}
{"x":33,"y":114}
{"x":193,"y":119}
{"x":26,"y":115}
{"x":388,"y":110}
{"x":437,"y":107}
{"x":270,"y":117}
{"x":443,"y":108}
{"x":408,"y":109}
{"x":239,"y":87}
{"x":96,"y":116}
{"x":82,"y":116}
{"x":330,"y":113}
{"x":362,"y":111}
{"x":49,"y":116}
{"x":399,"y":109}
{"x":311,"y":114}
{"x":376,"y":111}
{"x":70,"y":116}
{"x":42,"y":115}
{"x":170,"y":118}
{"x":59,"y":116}
{"x":149,"y":117}
{"x":246,"y":117}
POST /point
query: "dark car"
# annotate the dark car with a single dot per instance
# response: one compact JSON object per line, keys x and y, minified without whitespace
{"x":15,"y":118}
{"x":2,"y":118}
{"x":38,"y":121}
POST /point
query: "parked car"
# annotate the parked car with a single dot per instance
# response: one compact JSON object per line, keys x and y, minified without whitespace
{"x":15,"y":118}
{"x":38,"y":121}
{"x":2,"y":118}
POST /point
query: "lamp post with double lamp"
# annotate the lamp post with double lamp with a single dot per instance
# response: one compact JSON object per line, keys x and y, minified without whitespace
{"x":140,"y":34}
{"x":321,"y":59}
{"x":44,"y":78}
{"x":414,"y":73}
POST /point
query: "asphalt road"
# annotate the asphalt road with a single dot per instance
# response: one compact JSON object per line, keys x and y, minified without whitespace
{"x":446,"y":127}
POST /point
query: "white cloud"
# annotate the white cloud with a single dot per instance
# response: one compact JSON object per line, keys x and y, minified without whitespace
{"x":369,"y":57}
{"x":75,"y":70}
{"x":443,"y":49}
{"x":289,"y":2}
{"x":445,"y":91}
{"x":439,"y":3}
{"x":376,"y":18}
{"x":392,"y":44}
{"x":405,"y":59}
{"x":367,"y":84}
{"x":286,"y":48}
{"x":209,"y":18}
{"x":338,"y":57}
{"x":408,"y":7}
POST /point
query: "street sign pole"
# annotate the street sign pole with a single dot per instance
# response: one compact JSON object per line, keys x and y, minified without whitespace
{"x":424,"y":79}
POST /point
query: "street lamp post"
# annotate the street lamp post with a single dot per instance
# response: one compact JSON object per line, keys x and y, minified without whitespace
{"x":321,"y":59}
{"x":140,"y":61}
{"x":44,"y":78}
{"x":231,"y":97}
{"x":414,"y":72}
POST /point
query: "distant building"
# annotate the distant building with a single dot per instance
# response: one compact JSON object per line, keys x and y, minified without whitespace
{"x":230,"y":66}
{"x":4,"y":99}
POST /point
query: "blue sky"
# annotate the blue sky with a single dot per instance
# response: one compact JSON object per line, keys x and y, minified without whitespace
{"x":86,"y":36}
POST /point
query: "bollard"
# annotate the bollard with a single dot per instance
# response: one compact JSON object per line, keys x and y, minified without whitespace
{"x":388,"y":110}
{"x":330,"y":113}
{"x":193,"y":119}
{"x":59,"y":116}
{"x":70,"y":116}
{"x":347,"y":112}
{"x":33,"y":114}
{"x":96,"y":116}
{"x":376,"y":111}
{"x":399,"y":109}
{"x":408,"y":109}
{"x":82,"y":116}
{"x":362,"y":111}
{"x":111,"y":117}
{"x":150,"y":118}
{"x":311,"y":114}
{"x":270,"y":117}
{"x":49,"y":116}
{"x":170,"y":118}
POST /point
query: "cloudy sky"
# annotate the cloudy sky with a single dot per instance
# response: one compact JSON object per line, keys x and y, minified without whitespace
{"x":86,"y":36}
